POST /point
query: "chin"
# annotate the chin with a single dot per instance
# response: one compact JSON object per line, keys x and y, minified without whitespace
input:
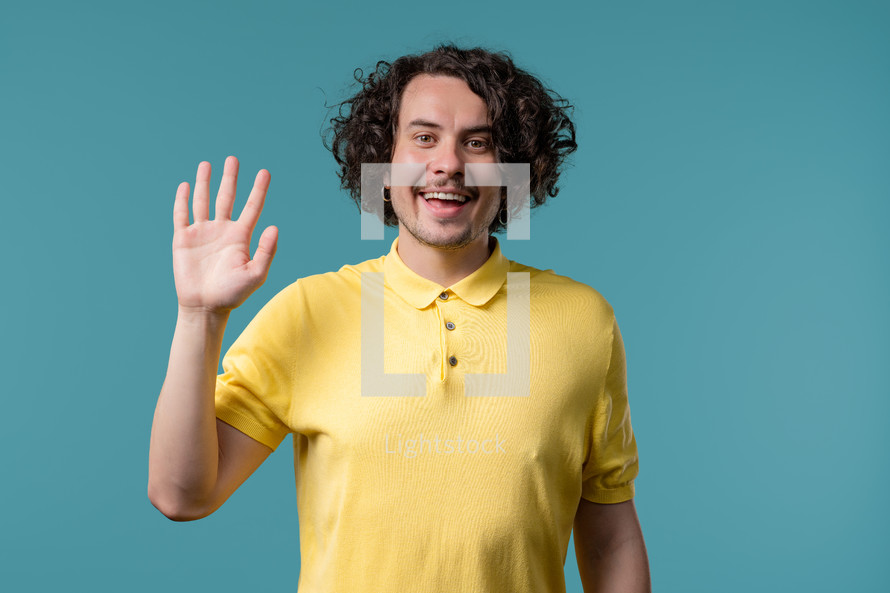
{"x":449,"y":242}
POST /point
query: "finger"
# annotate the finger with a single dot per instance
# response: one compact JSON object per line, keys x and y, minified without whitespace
{"x":251,"y":212}
{"x":181,"y":207}
{"x":225,"y":199}
{"x":201,"y":205}
{"x":265,"y":251}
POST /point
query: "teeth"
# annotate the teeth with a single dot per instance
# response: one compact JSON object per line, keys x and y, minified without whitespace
{"x":442,"y":196}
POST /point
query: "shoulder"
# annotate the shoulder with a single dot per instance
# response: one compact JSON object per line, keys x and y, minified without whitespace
{"x":321,"y":287}
{"x":565,"y":293}
{"x":315,"y":300}
{"x":316,"y":296}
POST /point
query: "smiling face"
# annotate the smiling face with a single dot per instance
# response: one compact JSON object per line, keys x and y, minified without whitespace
{"x":444,"y":125}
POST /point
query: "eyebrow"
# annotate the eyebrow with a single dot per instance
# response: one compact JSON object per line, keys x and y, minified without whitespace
{"x":422,"y":123}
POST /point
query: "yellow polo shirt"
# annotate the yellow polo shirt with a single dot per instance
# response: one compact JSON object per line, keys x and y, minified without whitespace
{"x":437,"y":488}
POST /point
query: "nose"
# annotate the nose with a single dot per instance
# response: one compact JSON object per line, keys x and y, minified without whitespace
{"x":447,"y":161}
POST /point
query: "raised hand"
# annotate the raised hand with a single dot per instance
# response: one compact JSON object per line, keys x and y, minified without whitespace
{"x":212,"y":268}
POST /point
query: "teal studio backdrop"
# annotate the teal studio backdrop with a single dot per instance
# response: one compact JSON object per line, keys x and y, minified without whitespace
{"x":729,"y":198}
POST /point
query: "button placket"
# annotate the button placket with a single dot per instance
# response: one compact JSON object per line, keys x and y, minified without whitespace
{"x":447,"y":345}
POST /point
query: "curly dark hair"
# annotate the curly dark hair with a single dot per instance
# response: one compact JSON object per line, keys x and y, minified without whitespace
{"x":530,"y":123}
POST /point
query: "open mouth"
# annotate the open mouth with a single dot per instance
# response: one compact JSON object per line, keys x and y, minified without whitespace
{"x":444,"y":204}
{"x":445,"y":197}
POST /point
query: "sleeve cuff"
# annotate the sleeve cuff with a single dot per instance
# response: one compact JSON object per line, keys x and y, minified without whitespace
{"x":611,"y":496}
{"x":250,"y":427}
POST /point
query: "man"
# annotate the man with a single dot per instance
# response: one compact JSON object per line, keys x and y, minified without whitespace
{"x":442,"y":488}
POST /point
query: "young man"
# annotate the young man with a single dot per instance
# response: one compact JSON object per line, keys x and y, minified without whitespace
{"x":448,"y":487}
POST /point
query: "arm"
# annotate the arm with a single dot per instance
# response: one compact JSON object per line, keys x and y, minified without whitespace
{"x":196,"y":461}
{"x":610,"y":549}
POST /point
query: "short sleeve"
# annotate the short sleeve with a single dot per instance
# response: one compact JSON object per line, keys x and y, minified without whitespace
{"x":612,"y":462}
{"x":253,"y":394}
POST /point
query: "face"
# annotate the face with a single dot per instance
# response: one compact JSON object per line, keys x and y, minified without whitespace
{"x":444,"y":125}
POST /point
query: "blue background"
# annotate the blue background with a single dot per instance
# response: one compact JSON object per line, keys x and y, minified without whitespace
{"x":729,"y":198}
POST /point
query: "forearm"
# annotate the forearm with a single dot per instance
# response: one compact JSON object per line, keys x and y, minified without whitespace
{"x":619,"y":566}
{"x":184,"y":448}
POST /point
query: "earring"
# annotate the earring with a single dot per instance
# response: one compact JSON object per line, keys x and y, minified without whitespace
{"x":504,"y":212}
{"x":383,"y":191}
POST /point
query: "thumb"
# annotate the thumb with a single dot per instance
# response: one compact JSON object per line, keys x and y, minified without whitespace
{"x":265,"y":251}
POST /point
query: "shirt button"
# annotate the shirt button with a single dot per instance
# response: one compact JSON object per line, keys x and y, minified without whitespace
{"x":444,"y":296}
{"x":449,"y":325}
{"x":452,"y":361}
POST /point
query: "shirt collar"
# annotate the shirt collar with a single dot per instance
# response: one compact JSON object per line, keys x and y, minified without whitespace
{"x":477,"y":288}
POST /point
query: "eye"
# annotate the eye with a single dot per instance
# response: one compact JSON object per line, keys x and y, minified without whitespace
{"x":424,"y":138}
{"x":478,"y":144}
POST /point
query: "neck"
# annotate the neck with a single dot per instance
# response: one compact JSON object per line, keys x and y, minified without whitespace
{"x":445,"y":267}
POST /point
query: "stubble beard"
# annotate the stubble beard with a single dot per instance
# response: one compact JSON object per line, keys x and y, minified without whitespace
{"x":426,"y":237}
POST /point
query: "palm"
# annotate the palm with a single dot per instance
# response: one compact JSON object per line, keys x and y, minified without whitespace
{"x":212,"y":267}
